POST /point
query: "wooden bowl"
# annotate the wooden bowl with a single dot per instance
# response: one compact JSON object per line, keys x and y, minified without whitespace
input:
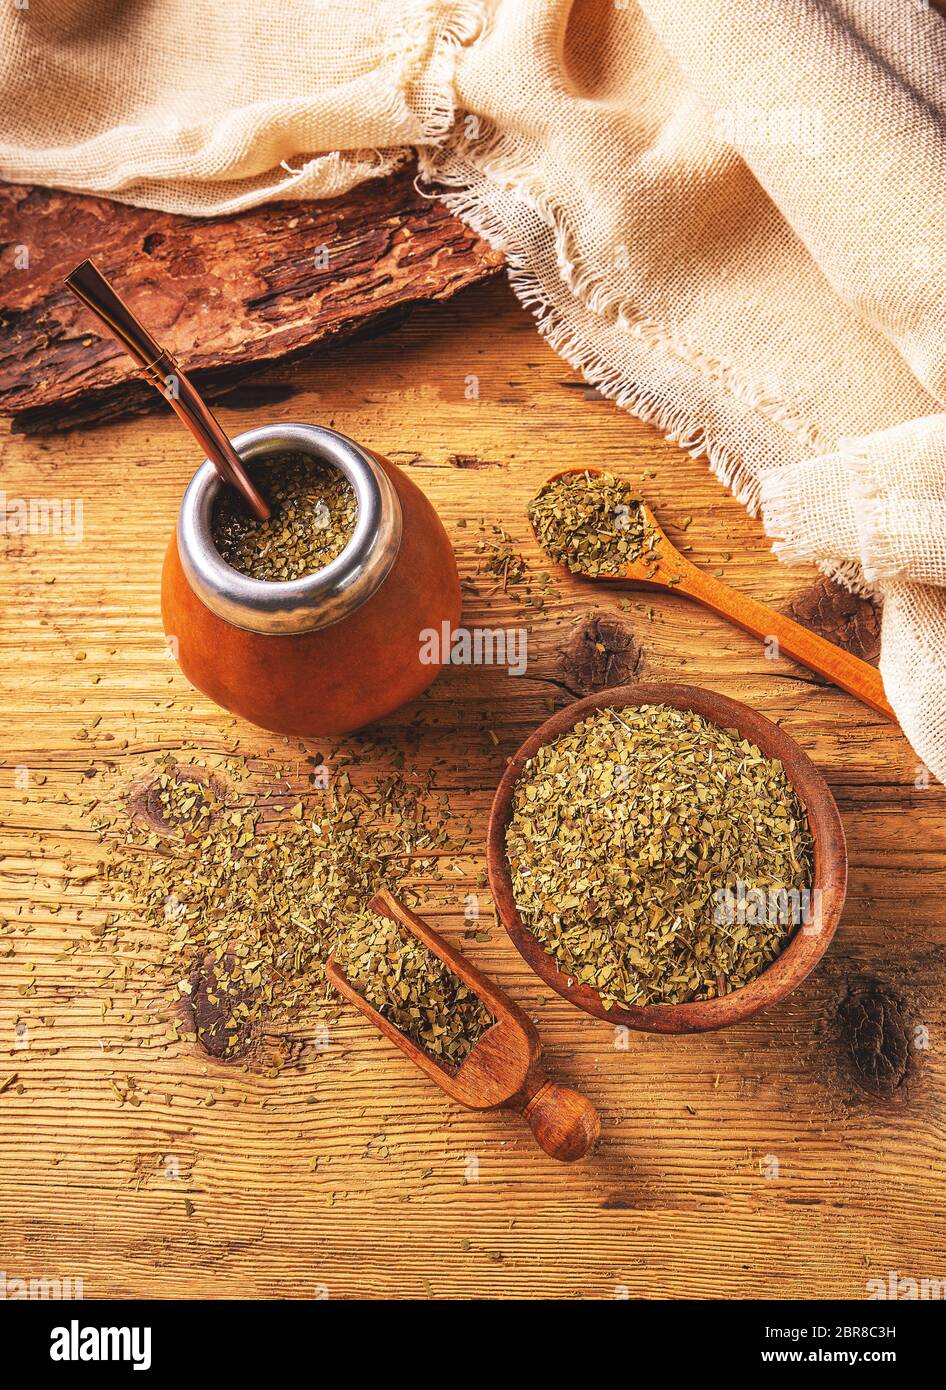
{"x":807,"y":945}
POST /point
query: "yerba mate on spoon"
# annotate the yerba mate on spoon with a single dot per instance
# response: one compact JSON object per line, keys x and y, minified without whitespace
{"x":596,"y":525}
{"x":497,"y":1066}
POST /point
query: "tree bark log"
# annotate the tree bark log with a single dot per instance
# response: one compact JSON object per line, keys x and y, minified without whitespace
{"x":225,"y":295}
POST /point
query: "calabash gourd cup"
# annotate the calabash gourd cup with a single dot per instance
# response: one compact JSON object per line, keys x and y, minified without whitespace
{"x":336,"y":649}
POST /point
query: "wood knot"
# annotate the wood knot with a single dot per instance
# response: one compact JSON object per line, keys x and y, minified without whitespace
{"x":601,"y":652}
{"x":181,"y":801}
{"x":877,"y":1036}
{"x":216,"y":1009}
{"x":846,"y":619}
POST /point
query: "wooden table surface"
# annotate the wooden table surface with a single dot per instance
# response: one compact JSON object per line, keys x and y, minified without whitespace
{"x":783,"y":1158}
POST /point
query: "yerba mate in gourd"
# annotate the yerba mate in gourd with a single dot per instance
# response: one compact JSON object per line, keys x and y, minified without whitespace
{"x":313,"y":518}
{"x":296,"y":650}
{"x":625,"y":836}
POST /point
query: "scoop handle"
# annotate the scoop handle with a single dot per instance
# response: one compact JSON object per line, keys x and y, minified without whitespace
{"x":564,"y":1122}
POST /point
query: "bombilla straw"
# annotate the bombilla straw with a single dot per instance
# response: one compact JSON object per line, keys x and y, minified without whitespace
{"x":91,"y":288}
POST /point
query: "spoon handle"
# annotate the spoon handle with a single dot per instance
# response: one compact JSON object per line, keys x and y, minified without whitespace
{"x":841,"y":667}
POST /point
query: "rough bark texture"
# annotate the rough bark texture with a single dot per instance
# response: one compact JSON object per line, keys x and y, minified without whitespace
{"x":225,"y":295}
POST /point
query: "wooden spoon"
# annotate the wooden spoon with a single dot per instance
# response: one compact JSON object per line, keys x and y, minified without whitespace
{"x":503,"y":1070}
{"x":663,"y":567}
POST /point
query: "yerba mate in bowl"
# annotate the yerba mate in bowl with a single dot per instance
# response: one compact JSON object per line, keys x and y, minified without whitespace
{"x":624,"y":835}
{"x":602,"y":847}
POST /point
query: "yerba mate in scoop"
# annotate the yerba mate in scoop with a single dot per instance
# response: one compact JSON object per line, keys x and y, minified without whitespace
{"x":403,"y":979}
{"x":503,"y":1068}
{"x":627,"y":833}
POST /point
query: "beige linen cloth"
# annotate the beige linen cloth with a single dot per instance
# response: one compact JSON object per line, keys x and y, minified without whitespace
{"x":728,"y":213}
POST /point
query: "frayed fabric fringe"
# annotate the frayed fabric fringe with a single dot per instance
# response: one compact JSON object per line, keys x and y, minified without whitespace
{"x":451,"y":170}
{"x":427,"y":44}
{"x":675,"y":424}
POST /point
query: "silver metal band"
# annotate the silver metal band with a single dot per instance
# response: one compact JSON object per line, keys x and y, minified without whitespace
{"x":299,"y":605}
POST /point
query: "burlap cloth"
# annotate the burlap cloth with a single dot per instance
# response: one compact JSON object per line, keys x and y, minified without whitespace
{"x":728,"y":213}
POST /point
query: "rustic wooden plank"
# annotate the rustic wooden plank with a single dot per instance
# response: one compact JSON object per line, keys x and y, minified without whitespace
{"x":225,"y":293}
{"x":682,"y":1198}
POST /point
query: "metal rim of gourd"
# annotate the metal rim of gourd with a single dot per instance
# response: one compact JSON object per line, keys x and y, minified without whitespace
{"x":317,"y":600}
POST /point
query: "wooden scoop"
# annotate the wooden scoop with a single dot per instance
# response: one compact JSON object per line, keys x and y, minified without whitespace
{"x":663,"y":567}
{"x":503,"y":1070}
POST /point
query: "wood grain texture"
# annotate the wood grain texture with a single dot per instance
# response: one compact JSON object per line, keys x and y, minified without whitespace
{"x":224,"y":294}
{"x":795,"y":1156}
